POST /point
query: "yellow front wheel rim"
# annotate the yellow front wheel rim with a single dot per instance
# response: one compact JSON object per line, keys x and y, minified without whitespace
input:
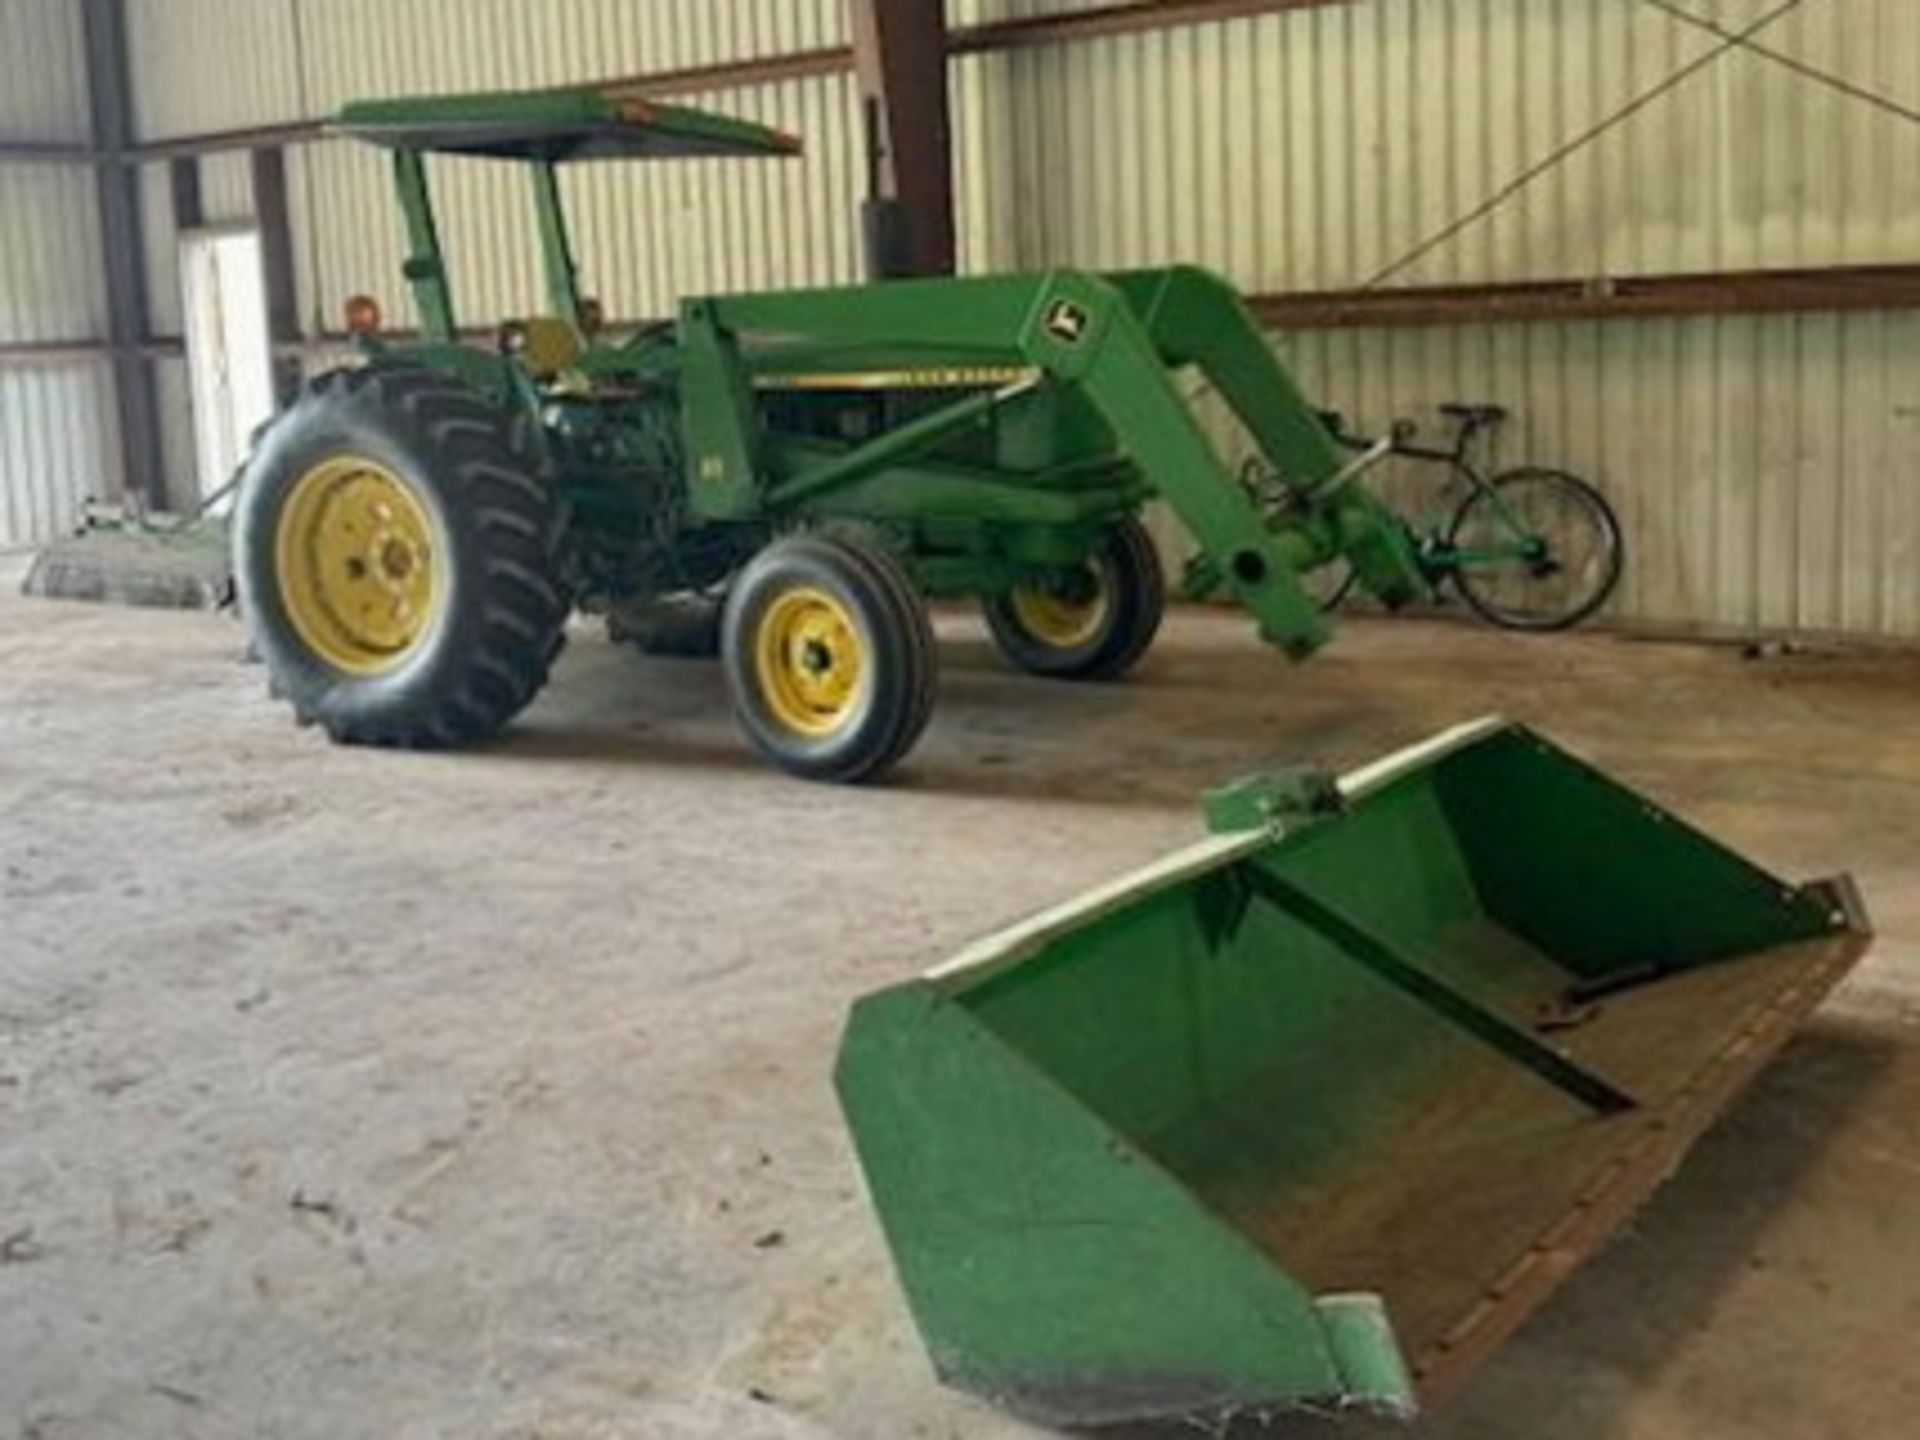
{"x":357,"y":566}
{"x":810,"y":662}
{"x":1059,"y":620}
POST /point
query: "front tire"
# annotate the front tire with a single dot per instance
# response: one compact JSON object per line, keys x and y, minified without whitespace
{"x":1095,"y":621}
{"x":829,"y":658}
{"x":395,"y":545}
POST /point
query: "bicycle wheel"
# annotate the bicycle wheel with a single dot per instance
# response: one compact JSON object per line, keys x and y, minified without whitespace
{"x":1330,"y":585}
{"x":1536,"y":550}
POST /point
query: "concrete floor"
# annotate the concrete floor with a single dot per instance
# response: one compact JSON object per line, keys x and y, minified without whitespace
{"x":347,"y":1094}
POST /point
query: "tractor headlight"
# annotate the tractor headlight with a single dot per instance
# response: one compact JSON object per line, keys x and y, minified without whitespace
{"x":544,"y":346}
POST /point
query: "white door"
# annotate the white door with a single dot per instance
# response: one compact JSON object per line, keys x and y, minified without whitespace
{"x":229,"y":348}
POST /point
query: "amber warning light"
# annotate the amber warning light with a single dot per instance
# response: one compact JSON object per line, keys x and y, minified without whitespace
{"x":363,"y":315}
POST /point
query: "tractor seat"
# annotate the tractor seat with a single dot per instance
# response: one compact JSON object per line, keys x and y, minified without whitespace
{"x":1475,"y":414}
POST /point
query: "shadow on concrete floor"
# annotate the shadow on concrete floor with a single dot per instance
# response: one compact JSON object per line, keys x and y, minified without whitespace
{"x":1157,"y":740}
{"x":1636,"y":1308}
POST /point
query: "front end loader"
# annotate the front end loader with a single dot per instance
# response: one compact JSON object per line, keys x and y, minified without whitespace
{"x":809,"y":466}
{"x":1313,"y":1114}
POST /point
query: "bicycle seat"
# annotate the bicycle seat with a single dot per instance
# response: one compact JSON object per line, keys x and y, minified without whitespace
{"x":1475,"y":414}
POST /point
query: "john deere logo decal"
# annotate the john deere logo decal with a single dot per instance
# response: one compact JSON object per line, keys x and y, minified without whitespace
{"x":1066,"y":322}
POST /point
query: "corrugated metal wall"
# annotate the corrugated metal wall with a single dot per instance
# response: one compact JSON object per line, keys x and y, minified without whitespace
{"x":43,"y":94}
{"x":56,"y":435}
{"x":1768,"y":470}
{"x":57,"y":447}
{"x":1764,"y":465}
{"x":1314,"y":148}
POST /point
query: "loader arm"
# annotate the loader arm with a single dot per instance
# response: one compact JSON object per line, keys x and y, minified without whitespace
{"x":1195,"y":318}
{"x":1115,"y":340}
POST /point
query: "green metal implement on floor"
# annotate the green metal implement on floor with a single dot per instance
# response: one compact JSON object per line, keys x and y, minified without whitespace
{"x":413,"y":535}
{"x":1315,"y":1112}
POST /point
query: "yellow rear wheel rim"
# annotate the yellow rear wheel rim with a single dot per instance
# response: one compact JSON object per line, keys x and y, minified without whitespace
{"x":356,"y":563}
{"x":1062,"y":621}
{"x":810,"y":662}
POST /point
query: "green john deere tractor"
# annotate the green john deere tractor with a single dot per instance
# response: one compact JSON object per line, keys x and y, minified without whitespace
{"x":413,"y":534}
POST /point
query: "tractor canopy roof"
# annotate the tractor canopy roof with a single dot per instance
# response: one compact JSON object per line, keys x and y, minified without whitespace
{"x":556,"y":125}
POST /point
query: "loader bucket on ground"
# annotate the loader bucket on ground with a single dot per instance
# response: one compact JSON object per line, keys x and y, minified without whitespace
{"x":1316,"y":1111}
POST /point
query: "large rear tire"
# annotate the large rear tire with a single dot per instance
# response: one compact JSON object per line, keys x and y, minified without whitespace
{"x":1095,"y":621}
{"x":396,"y":547}
{"x":829,"y":658}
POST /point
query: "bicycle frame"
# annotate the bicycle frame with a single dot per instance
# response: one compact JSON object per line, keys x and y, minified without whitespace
{"x":1493,"y":514}
{"x":1438,"y":555}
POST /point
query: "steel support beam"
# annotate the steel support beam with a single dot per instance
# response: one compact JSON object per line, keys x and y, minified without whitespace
{"x":44,"y":152}
{"x":29,"y":354}
{"x":1759,"y":292}
{"x":123,"y":245}
{"x":900,"y":61}
{"x":273,"y":213}
{"x":216,"y":141}
{"x":1105,"y":21}
{"x":183,"y":179}
{"x":1738,"y":292}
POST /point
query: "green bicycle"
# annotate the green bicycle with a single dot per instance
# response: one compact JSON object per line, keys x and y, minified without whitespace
{"x":1528,"y":549}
